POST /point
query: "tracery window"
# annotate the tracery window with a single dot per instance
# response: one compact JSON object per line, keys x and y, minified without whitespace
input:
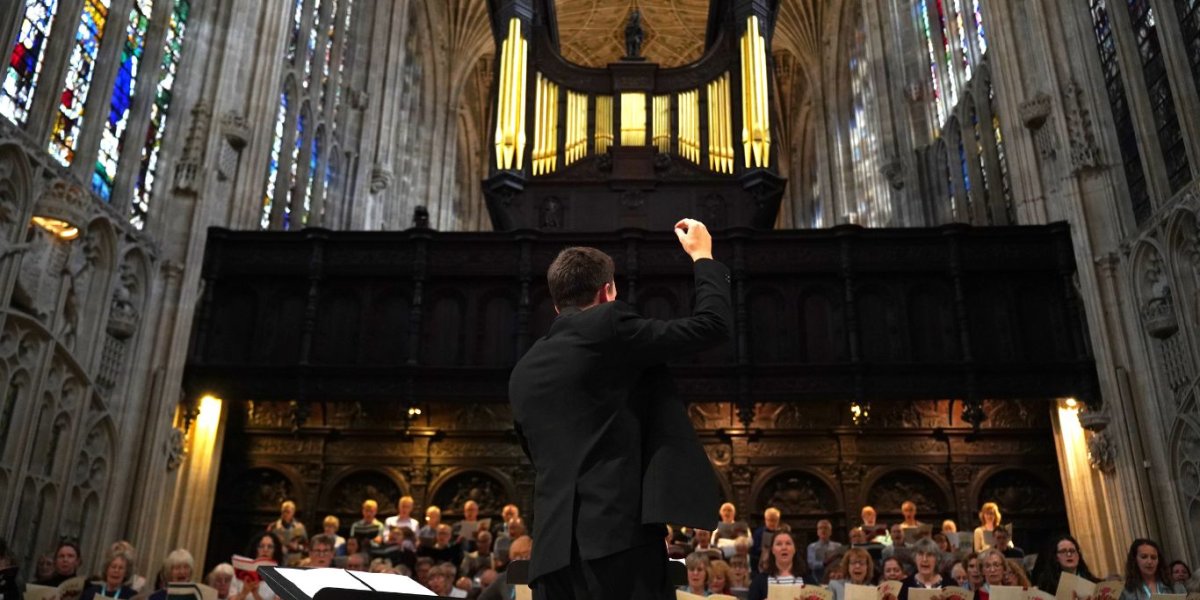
{"x":25,"y":61}
{"x":872,"y":208}
{"x":147,"y":60}
{"x":301,"y":170}
{"x":1154,"y":71}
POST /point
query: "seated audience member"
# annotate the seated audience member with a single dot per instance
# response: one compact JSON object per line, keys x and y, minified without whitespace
{"x":739,"y":574}
{"x":1146,"y":572}
{"x":368,"y":528}
{"x":697,"y":573}
{"x":179,"y":567}
{"x":959,"y":574}
{"x":137,"y":582}
{"x":464,"y":531}
{"x":702,"y":542}
{"x":441,"y":581}
{"x":443,"y":548}
{"x":222,"y":579}
{"x":1005,"y":545}
{"x":858,"y":568}
{"x":320,"y":552}
{"x":66,"y":562}
{"x":871,"y":528}
{"x":993,"y":563}
{"x":115,"y":577}
{"x":500,"y":589}
{"x":427,"y":534}
{"x":357,"y":562}
{"x":1181,"y":573}
{"x":779,"y":566}
{"x":508,"y":513}
{"x":718,"y":577}
{"x":927,"y":577}
{"x":481,"y":557}
{"x":403,"y":516}
{"x":381,"y":565}
{"x":974,"y":571}
{"x":289,"y":531}
{"x":893,"y":569}
{"x":821,"y":550}
{"x":950,"y":530}
{"x":513,"y":530}
{"x":330,"y":528}
{"x":761,"y":539}
{"x":989,"y":520}
{"x":1014,"y":573}
{"x":1061,"y":555}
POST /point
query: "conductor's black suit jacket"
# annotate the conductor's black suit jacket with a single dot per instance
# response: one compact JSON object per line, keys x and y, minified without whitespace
{"x":612,"y":447}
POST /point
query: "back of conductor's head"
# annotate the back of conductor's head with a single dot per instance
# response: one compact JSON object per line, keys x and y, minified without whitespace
{"x":578,"y":277}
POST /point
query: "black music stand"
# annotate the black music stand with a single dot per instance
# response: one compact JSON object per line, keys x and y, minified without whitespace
{"x":286,"y":590}
{"x":517,"y":572}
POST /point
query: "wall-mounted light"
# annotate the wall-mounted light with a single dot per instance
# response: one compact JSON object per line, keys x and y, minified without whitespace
{"x":860,"y":414}
{"x":61,"y":211}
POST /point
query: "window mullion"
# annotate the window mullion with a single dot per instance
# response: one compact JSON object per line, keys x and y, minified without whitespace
{"x":1185,"y":85}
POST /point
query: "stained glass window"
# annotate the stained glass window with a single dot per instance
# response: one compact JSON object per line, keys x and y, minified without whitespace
{"x":173,"y":45}
{"x":980,"y":35}
{"x":294,"y":40}
{"x":872,"y":210}
{"x":69,"y":119}
{"x":327,"y":59}
{"x":273,"y":166}
{"x":287,"y":207}
{"x":1139,"y":195}
{"x":947,"y":55}
{"x":337,"y":95}
{"x":314,"y":179}
{"x":977,"y":134}
{"x":938,"y":102}
{"x":313,"y":34}
{"x":964,"y":48}
{"x":25,"y":61}
{"x":1162,"y":103}
{"x":111,"y":138}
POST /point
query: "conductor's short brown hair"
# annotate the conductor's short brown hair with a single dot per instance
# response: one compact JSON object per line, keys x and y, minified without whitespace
{"x":576,"y":274}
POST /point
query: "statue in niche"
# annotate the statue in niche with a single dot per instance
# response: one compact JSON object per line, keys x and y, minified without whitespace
{"x":634,"y":35}
{"x":551,"y":213}
{"x":420,"y":217}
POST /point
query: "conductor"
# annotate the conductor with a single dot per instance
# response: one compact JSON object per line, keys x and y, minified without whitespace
{"x":614,"y":453}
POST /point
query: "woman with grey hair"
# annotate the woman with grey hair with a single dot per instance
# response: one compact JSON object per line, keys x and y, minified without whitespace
{"x":222,"y":579}
{"x":177,"y":568}
{"x":114,"y":579}
{"x":927,"y":557}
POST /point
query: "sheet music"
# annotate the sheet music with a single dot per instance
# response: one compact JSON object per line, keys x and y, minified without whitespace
{"x":390,"y":582}
{"x":311,"y":581}
{"x":861,"y":592}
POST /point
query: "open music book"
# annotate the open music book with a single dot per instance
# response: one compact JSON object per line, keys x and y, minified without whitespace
{"x":310,"y":582}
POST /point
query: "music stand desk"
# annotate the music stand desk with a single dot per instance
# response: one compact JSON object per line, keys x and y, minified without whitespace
{"x":286,"y":590}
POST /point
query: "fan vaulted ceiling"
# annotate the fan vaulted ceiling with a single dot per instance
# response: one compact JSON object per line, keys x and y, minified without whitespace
{"x":592,"y":32}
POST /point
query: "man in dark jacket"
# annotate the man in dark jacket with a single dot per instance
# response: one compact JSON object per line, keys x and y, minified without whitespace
{"x":603,"y":444}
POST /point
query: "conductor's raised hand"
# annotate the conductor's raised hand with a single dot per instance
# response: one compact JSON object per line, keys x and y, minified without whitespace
{"x":694,"y":238}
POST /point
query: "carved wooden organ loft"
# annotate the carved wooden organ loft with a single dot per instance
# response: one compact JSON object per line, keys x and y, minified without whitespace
{"x":633,"y":144}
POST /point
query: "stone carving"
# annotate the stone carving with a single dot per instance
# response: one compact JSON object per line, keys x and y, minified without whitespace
{"x":550,"y":214}
{"x":1035,"y":111}
{"x":634,"y":35}
{"x":852,"y":472}
{"x":891,"y":490}
{"x":175,"y":449}
{"x":188,"y":172}
{"x":1158,"y":310}
{"x":798,"y":493}
{"x":267,"y":414}
{"x":381,"y":178}
{"x":1186,"y":454}
{"x":741,"y":474}
{"x":485,"y":490}
{"x":1085,"y":152}
{"x":893,"y":170}
{"x":347,"y":497}
{"x":123,"y":315}
{"x":1102,"y":453}
{"x":236,"y":129}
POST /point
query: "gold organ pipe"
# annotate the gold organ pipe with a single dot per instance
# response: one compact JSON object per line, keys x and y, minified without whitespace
{"x":720,"y":126}
{"x":576,"y":127}
{"x":604,"y":123}
{"x":756,"y":119}
{"x":662,"y":123}
{"x":689,"y":125}
{"x":633,"y":119}
{"x":510,"y":101}
{"x":545,"y":135}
